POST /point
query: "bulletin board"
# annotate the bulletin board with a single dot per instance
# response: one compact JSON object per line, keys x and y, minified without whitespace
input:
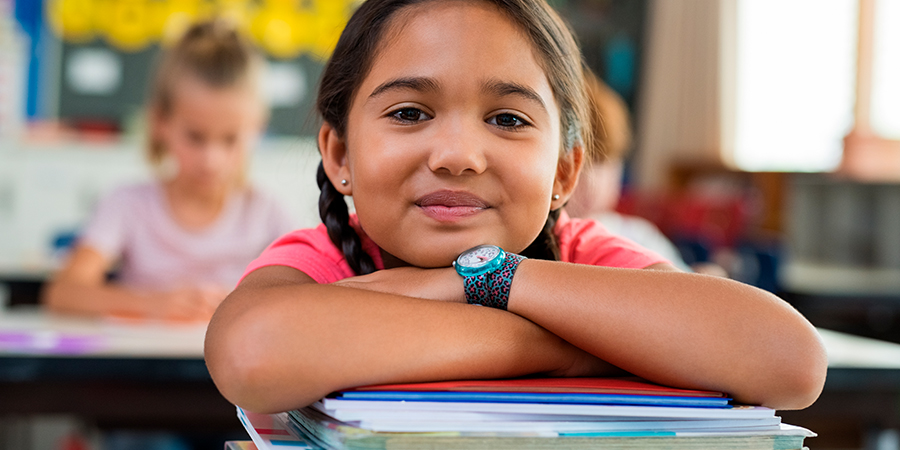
{"x":106,"y":50}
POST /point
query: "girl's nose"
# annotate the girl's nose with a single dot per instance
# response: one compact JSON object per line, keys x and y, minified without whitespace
{"x":458,"y":148}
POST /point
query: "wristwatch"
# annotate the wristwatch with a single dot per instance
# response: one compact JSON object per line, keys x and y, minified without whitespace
{"x":487,"y":272}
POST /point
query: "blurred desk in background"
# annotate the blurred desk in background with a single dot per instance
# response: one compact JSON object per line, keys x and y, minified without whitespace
{"x":860,"y":404}
{"x":869,"y":315}
{"x":111,"y":373}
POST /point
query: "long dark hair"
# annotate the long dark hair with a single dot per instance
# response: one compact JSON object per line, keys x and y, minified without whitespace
{"x":353,"y":56}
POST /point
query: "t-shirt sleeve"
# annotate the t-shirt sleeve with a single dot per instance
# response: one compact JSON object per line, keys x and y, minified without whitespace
{"x":585,"y":241}
{"x":106,"y":228}
{"x":309,"y":251}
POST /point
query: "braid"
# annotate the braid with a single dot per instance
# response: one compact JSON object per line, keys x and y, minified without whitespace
{"x":336,"y":217}
{"x":545,"y":245}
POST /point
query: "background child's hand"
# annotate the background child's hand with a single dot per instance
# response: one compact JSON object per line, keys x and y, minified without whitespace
{"x":431,"y":284}
{"x":190,"y":303}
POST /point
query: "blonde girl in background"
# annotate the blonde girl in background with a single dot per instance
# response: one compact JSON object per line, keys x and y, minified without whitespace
{"x":456,"y":124}
{"x":180,"y":243}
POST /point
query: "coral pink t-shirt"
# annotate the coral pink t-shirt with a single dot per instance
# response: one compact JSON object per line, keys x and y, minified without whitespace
{"x":581,"y":241}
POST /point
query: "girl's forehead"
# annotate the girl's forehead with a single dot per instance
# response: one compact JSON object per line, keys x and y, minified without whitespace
{"x":460,"y":39}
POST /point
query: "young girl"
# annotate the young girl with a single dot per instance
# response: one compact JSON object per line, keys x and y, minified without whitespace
{"x":182,"y":242}
{"x":455,"y":124}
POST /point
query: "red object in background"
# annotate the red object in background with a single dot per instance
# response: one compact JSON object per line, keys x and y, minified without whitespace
{"x":719,"y":220}
{"x":74,"y":441}
{"x":97,"y":130}
{"x":96,"y":126}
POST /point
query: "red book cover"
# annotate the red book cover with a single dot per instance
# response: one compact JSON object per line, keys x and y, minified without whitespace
{"x":620,"y":386}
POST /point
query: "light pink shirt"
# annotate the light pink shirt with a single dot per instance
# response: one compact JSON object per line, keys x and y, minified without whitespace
{"x":134,"y":227}
{"x":581,"y":241}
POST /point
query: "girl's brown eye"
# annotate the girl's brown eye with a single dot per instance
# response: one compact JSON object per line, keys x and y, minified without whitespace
{"x":410,"y":115}
{"x":509,"y":121}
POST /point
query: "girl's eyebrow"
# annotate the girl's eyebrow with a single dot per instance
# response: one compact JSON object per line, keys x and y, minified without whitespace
{"x":491,"y":87}
{"x":419,"y":84}
{"x":505,"y":88}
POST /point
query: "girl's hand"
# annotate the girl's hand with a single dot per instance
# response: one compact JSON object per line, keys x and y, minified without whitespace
{"x":442,"y":284}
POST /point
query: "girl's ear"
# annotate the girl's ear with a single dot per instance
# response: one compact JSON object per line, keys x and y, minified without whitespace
{"x":567,"y":171}
{"x":333,"y":148}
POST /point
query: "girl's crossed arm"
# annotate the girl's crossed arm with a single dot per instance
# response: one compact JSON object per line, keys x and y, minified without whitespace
{"x":276,"y":344}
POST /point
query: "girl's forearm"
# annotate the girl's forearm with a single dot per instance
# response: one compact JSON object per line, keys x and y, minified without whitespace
{"x":276,"y":348}
{"x":680,"y":329}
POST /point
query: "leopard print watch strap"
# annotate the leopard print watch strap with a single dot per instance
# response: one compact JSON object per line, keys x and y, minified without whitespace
{"x":492,"y":288}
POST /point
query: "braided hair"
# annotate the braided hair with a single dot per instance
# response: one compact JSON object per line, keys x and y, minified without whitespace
{"x":336,"y":217}
{"x":545,"y":246}
{"x":354,"y":55}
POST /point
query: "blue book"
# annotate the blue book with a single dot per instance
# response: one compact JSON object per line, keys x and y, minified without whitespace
{"x":537,"y":397}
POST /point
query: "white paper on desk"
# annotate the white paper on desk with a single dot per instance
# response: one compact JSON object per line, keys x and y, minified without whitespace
{"x":847,"y":350}
{"x":770,"y":424}
{"x":334,"y":406}
{"x":474,"y":421}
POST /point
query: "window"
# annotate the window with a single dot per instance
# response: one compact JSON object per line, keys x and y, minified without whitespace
{"x":795,"y":83}
{"x":885,"y":108}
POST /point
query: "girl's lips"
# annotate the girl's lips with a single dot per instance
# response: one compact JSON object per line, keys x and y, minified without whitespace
{"x":448,"y":206}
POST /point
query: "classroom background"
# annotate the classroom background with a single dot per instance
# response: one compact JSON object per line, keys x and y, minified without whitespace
{"x":767,"y":142}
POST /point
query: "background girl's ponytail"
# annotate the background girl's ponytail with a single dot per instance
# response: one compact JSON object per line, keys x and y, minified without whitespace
{"x":213,"y":52}
{"x":336,"y":217}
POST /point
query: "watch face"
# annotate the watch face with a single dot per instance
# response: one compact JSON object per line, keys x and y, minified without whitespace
{"x":479,"y":256}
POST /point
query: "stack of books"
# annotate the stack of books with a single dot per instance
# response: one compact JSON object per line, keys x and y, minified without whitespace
{"x":569,"y":413}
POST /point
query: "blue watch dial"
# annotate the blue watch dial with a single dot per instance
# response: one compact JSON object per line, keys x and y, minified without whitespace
{"x":479,"y":260}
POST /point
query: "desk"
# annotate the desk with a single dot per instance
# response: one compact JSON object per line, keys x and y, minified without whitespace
{"x":119,"y":374}
{"x":112,"y":373}
{"x":860,"y":405}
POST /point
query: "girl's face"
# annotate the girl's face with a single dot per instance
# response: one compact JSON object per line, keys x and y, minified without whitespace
{"x":453,"y":138}
{"x":209,"y":132}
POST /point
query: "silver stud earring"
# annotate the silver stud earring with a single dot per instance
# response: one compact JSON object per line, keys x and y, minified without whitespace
{"x":555,"y":196}
{"x":343,"y":182}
